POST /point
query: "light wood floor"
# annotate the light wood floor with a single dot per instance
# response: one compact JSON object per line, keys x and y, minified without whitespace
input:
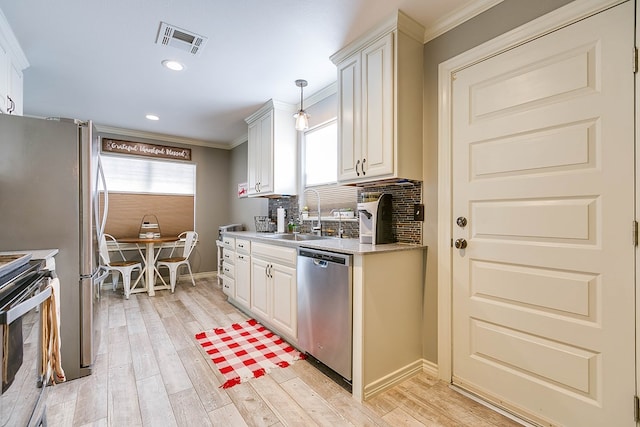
{"x":150,"y":371}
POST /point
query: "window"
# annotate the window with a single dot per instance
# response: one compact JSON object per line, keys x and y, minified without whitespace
{"x":139,"y":187}
{"x":133,"y":175}
{"x":320,"y":170}
{"x":321,"y":155}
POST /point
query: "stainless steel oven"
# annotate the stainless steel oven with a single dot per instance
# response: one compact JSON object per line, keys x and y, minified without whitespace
{"x":23,"y":392}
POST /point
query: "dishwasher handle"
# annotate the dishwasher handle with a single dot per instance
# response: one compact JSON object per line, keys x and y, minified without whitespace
{"x":327,"y":257}
{"x":320,"y":263}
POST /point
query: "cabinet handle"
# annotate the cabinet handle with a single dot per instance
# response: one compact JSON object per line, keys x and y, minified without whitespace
{"x":363,"y":162}
{"x":357,"y":163}
{"x":268,"y":270}
{"x":12,"y":105}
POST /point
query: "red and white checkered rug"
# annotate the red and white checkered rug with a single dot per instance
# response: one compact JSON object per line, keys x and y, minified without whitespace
{"x":246,"y":350}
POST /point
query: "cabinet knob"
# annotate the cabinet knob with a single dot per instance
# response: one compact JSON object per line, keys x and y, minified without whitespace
{"x":461,"y":221}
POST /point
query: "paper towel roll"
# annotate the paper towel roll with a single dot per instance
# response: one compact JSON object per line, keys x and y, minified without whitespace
{"x":281,"y":213}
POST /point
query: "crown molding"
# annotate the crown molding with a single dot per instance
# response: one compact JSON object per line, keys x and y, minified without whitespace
{"x":458,"y":17}
{"x":321,"y":95}
{"x":159,"y":137}
{"x":239,"y":141}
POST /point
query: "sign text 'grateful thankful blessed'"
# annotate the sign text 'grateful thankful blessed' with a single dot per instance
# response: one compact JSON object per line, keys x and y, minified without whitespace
{"x":146,"y":150}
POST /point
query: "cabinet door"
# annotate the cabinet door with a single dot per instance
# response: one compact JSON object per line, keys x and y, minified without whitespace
{"x":5,"y":63}
{"x":377,"y":108}
{"x":266,"y":153}
{"x":253,"y":155}
{"x":243,"y":280}
{"x":259,"y":302}
{"x":349,"y":135}
{"x":228,"y":286}
{"x":15,"y":103}
{"x":285,"y":311}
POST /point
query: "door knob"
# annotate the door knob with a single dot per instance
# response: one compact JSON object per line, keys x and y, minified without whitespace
{"x":460,"y":244}
{"x":461,"y":221}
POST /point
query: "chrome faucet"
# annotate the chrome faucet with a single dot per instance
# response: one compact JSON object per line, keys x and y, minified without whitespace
{"x":340,"y":229}
{"x":317,"y":229}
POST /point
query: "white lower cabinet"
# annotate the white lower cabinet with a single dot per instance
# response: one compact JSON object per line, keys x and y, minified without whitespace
{"x":274,"y":287}
{"x":228,"y":267}
{"x":260,"y":287}
{"x":243,"y":280}
{"x":261,"y":279}
{"x":273,"y":295}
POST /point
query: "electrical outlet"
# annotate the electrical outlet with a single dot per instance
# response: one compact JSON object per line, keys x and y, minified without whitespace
{"x":418,"y":212}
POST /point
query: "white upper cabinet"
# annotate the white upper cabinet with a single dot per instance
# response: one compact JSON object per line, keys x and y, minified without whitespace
{"x":272,"y":150}
{"x":12,"y":63}
{"x":380,"y":103}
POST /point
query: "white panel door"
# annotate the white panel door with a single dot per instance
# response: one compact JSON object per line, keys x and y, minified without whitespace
{"x":266,"y":153}
{"x":543,"y":171}
{"x":243,"y":280}
{"x":254,"y":155}
{"x":377,"y":108}
{"x":285,"y":298}
{"x":349,"y":105}
{"x":260,"y":292}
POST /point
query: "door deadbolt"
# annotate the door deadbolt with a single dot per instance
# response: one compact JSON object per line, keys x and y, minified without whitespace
{"x":460,"y":243}
{"x":461,"y":221}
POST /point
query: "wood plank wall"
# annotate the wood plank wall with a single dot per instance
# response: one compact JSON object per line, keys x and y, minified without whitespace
{"x":175,"y":213}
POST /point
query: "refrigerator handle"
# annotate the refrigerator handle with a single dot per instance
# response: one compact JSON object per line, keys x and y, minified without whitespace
{"x":106,"y":200}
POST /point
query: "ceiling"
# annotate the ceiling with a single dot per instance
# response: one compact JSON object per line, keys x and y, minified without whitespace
{"x":97,"y":59}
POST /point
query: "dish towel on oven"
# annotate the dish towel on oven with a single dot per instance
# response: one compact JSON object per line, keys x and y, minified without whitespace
{"x":11,"y":352}
{"x":50,"y":328}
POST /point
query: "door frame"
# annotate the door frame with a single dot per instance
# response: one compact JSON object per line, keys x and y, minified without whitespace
{"x":561,"y":17}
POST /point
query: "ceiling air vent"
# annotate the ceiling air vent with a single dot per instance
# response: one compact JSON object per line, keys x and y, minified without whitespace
{"x":170,"y":35}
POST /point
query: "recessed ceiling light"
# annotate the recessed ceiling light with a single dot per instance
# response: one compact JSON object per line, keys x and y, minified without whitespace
{"x":173,"y":65}
{"x":152,"y":117}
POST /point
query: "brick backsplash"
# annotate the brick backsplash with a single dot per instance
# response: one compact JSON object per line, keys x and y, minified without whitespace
{"x":404,"y":196}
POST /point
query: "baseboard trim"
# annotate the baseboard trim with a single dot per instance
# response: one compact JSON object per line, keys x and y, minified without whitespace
{"x":430,"y":368}
{"x":393,"y":379}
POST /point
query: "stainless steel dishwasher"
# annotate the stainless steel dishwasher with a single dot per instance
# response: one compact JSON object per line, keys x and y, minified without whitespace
{"x":325,"y":308}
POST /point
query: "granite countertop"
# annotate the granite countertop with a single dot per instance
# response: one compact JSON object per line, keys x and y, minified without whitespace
{"x":332,"y":244}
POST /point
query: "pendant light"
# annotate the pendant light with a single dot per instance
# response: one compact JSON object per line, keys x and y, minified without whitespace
{"x":302,"y":118}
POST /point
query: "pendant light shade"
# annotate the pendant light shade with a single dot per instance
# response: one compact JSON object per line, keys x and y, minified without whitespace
{"x":302,"y":118}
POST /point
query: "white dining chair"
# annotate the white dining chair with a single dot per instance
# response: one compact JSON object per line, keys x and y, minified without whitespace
{"x":117,"y":268}
{"x":173,"y":263}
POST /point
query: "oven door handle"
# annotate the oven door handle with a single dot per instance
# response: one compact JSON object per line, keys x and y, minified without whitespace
{"x":25,"y":306}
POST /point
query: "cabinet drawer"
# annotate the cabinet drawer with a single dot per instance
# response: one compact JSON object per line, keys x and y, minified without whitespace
{"x":229,"y":286}
{"x":229,"y":242}
{"x":243,"y":246}
{"x":228,"y":256}
{"x":229,"y":270}
{"x":274,"y":252}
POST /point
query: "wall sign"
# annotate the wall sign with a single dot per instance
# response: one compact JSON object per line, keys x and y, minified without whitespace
{"x":243,"y":190}
{"x":146,"y":150}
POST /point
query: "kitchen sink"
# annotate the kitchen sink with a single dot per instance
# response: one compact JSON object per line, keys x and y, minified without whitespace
{"x":297,"y":237}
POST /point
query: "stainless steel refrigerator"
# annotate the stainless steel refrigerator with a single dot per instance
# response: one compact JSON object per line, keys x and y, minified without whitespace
{"x":50,"y":184}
